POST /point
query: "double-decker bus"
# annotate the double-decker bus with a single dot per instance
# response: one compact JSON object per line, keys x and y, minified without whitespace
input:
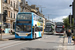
{"x":49,"y":28}
{"x":28,"y":25}
{"x":59,"y":28}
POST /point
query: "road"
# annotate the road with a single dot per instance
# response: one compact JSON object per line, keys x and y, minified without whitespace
{"x":47,"y":42}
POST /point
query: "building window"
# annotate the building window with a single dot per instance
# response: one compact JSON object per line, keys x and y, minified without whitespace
{"x":11,"y":15}
{"x":11,"y":3}
{"x":14,"y":16}
{"x":14,"y":5}
{"x":8,"y":13}
{"x":5,"y":1}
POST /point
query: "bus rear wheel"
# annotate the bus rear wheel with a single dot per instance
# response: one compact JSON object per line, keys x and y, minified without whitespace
{"x":35,"y":35}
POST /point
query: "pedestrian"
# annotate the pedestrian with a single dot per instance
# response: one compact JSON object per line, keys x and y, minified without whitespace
{"x":69,"y":36}
{"x":73,"y":37}
{"x":0,"y":30}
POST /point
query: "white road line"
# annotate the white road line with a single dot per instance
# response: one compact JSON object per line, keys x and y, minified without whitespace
{"x":13,"y":45}
{"x":6,"y":44}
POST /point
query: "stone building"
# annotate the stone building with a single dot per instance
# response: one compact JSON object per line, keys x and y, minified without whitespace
{"x":11,"y":8}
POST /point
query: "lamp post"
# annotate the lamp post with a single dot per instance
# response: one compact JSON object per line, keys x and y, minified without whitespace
{"x":48,"y":16}
{"x":73,"y":12}
{"x":40,"y":7}
{"x":1,"y":20}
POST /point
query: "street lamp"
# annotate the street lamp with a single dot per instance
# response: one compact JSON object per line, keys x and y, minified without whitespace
{"x":73,"y":12}
{"x":48,"y":15}
{"x":40,"y":7}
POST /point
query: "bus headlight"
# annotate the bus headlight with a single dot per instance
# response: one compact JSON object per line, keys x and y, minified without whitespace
{"x":26,"y":33}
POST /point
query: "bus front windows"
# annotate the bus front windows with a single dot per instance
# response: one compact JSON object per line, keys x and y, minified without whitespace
{"x":23,"y":28}
{"x":48,"y":24}
{"x":24,"y":17}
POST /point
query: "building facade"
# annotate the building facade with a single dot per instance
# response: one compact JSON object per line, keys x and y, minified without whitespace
{"x":11,"y":8}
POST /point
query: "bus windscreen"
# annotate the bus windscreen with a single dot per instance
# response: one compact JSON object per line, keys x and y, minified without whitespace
{"x":48,"y":24}
{"x":59,"y":23}
{"x":23,"y":28}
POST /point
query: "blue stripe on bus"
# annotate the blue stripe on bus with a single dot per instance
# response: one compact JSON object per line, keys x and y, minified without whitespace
{"x":31,"y":27}
{"x":23,"y":24}
{"x":23,"y":20}
{"x":25,"y":13}
{"x":39,"y":34}
{"x":26,"y":37}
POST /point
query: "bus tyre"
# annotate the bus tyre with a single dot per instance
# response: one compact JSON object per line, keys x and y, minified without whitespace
{"x":21,"y":39}
{"x":41,"y":37}
{"x":35,"y":35}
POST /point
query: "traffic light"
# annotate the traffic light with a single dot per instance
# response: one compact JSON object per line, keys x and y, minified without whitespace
{"x":4,"y":16}
{"x":71,"y":18}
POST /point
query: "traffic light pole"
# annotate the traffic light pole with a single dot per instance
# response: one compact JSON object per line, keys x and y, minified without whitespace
{"x":1,"y":25}
{"x":70,"y":21}
{"x":73,"y":11}
{"x":1,"y":30}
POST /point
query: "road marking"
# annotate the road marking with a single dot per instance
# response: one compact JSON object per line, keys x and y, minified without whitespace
{"x":8,"y":44}
{"x":13,"y":45}
{"x":62,"y":46}
{"x":16,"y":43}
{"x":39,"y":39}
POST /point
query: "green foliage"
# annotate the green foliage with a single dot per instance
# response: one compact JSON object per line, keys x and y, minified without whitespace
{"x":66,"y":22}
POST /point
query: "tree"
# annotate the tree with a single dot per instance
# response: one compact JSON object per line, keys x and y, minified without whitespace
{"x":66,"y":22}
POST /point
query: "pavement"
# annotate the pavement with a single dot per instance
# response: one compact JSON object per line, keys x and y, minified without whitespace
{"x":66,"y":46}
{"x":69,"y":46}
{"x":7,"y":36}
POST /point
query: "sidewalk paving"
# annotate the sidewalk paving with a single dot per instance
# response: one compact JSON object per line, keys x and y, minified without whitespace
{"x":68,"y":46}
{"x":7,"y":36}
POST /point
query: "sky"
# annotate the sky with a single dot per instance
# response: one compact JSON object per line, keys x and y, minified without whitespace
{"x":57,"y":9}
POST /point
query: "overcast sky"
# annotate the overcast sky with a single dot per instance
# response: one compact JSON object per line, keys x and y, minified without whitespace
{"x":58,"y":9}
